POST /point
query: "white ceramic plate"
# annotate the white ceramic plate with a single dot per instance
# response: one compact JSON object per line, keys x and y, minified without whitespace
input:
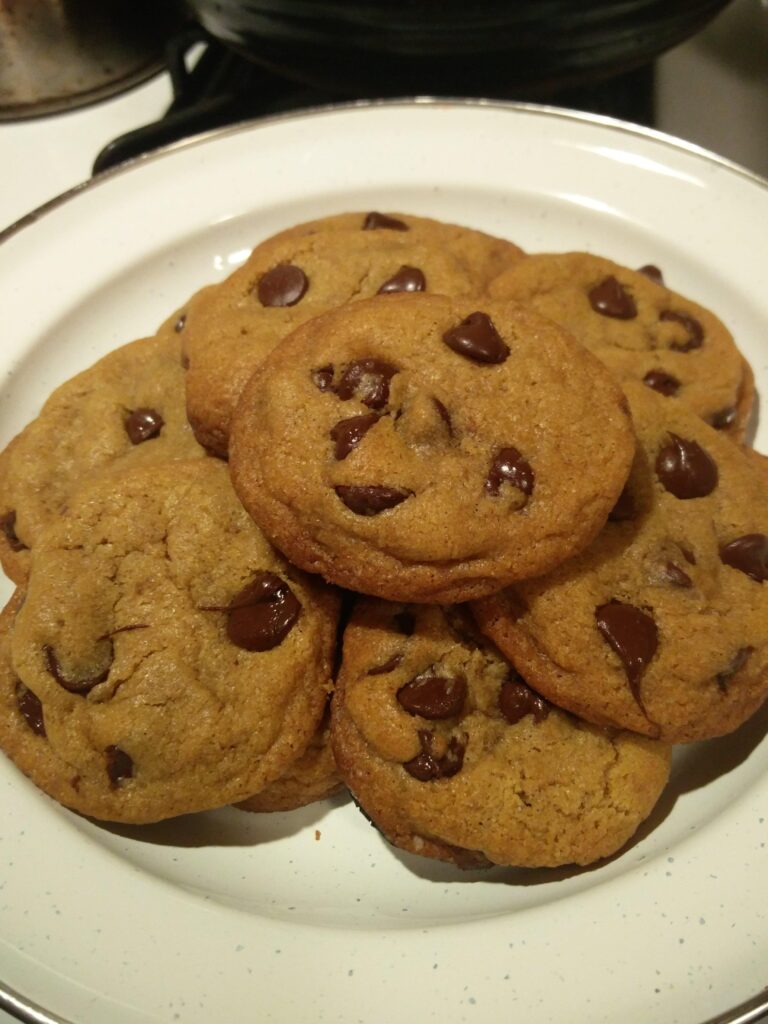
{"x":310,"y":916}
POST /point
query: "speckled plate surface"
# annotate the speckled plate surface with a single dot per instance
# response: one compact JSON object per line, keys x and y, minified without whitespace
{"x":309,"y":916}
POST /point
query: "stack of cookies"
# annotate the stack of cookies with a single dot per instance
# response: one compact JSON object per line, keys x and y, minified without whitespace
{"x":400,"y":508}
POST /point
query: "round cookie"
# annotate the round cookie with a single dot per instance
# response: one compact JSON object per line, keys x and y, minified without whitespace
{"x":126,"y":409}
{"x":229,"y":329}
{"x":640,"y":329}
{"x":178,"y":662}
{"x":661,"y":625}
{"x":452,"y":756}
{"x":424,"y":448}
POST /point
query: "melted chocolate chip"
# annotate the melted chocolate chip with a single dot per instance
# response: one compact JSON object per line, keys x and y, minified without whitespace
{"x":509,"y":465}
{"x":652,"y":273}
{"x":368,"y":381}
{"x":433,"y":696}
{"x":407,"y":279}
{"x":386,"y":666}
{"x":79,"y":686}
{"x":404,"y":622}
{"x":624,"y":509}
{"x":685,"y":469}
{"x":262,"y":614}
{"x":143,"y":424}
{"x":30,"y":708}
{"x":663,"y":382}
{"x":180,"y":323}
{"x":476,"y":338}
{"x":283,"y":285}
{"x":688,"y":555}
{"x":347,"y":434}
{"x":444,"y":415}
{"x":119,"y":765}
{"x":374,"y":221}
{"x":695,"y":331}
{"x":369,"y":501}
{"x":611,"y":298}
{"x":8,"y":526}
{"x":737,"y":662}
{"x":322,"y":378}
{"x":748,"y":554}
{"x":676,"y":576}
{"x":723,"y":418}
{"x":516,"y":700}
{"x":632,"y":634}
{"x":426,"y":766}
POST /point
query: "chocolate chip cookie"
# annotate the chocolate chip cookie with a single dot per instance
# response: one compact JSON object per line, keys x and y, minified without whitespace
{"x":228,"y":330}
{"x":128,"y":408}
{"x":640,"y":329}
{"x":661,"y":625}
{"x":453,"y":756}
{"x":425,"y":448}
{"x":167,"y":659}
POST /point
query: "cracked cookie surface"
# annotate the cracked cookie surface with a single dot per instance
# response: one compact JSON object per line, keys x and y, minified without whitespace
{"x":429,"y":449}
{"x":660,"y":625}
{"x":178,"y":661}
{"x":453,"y":756}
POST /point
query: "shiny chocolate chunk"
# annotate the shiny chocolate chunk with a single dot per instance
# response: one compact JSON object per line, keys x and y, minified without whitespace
{"x":476,"y":338}
{"x":624,"y":509}
{"x":119,"y":765}
{"x":433,"y":695}
{"x":723,"y":418}
{"x":652,"y":273}
{"x":322,"y":378}
{"x":748,"y":554}
{"x":426,"y":766}
{"x":347,"y":434}
{"x":665,"y":383}
{"x":283,"y":285}
{"x":8,"y":526}
{"x":31,"y":708}
{"x":367,"y":380}
{"x":685,"y":469}
{"x":180,"y":323}
{"x":695,"y":331}
{"x":404,"y":622}
{"x":510,"y":466}
{"x":632,"y":634}
{"x":737,"y":662}
{"x":374,"y":221}
{"x":407,"y":279}
{"x":611,"y":298}
{"x":370,"y":500}
{"x":79,"y":686}
{"x":676,"y":576}
{"x":262,"y":614}
{"x":516,"y":700}
{"x":143,"y":424}
{"x":386,"y":666}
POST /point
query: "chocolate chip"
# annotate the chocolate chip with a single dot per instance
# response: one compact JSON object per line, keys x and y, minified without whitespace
{"x":748,"y":554}
{"x":407,"y":279}
{"x":119,"y":765}
{"x":509,"y":465}
{"x":368,"y":381}
{"x":404,"y":622}
{"x":476,"y":338}
{"x":79,"y":686}
{"x":426,"y":766}
{"x":663,"y":382}
{"x":676,"y":576}
{"x":347,"y":434}
{"x":516,"y":700}
{"x":374,"y":221}
{"x":369,"y":501}
{"x":695,"y":331}
{"x":322,"y":378}
{"x":632,"y":634}
{"x":180,"y":323}
{"x":31,"y":708}
{"x":723,"y":418}
{"x":184,"y":361}
{"x":143,"y":424}
{"x":262,"y":614}
{"x":283,"y":285}
{"x":8,"y":526}
{"x":737,"y":662}
{"x":685,"y":469}
{"x":611,"y":298}
{"x":444,"y":415}
{"x":386,"y":666}
{"x":624,"y":509}
{"x":433,"y":696}
{"x":652,"y":273}
{"x":688,"y":555}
